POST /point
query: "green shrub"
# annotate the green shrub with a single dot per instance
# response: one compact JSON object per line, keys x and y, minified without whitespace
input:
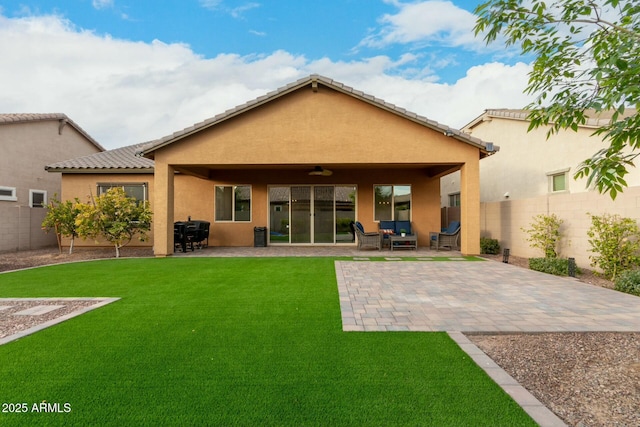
{"x":489,"y":246}
{"x":544,"y":233}
{"x":629,"y":282}
{"x":556,"y":266}
{"x":614,"y":242}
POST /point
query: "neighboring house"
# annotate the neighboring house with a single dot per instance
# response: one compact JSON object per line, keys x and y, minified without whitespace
{"x":28,"y":143}
{"x":303,"y":161}
{"x":534,"y":175}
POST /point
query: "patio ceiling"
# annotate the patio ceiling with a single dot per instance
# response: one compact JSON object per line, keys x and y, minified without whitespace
{"x":431,"y":171}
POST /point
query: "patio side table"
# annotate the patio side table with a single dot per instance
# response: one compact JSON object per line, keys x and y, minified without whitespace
{"x":406,"y":242}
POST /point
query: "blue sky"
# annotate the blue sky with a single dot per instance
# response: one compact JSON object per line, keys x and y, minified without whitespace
{"x":129,"y":71}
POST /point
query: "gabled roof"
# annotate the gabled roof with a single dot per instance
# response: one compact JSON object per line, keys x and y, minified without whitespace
{"x":121,"y":159}
{"x":313,"y":81}
{"x":595,"y":120}
{"x":39,"y":117}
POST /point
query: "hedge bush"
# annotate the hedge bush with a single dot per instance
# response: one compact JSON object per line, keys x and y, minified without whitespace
{"x":629,"y":282}
{"x":556,"y":266}
{"x":489,"y":246}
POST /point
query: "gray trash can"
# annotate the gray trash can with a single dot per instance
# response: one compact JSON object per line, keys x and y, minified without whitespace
{"x":259,"y":237}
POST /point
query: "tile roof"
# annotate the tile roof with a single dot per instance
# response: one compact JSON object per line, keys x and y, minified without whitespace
{"x":594,"y":120}
{"x":35,"y":117}
{"x":121,"y":159}
{"x":313,"y":80}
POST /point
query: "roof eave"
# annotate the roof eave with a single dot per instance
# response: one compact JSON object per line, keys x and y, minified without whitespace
{"x":100,"y":170}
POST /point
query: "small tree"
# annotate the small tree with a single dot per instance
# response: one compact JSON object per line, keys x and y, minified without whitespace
{"x":61,"y":217}
{"x":614,"y":242}
{"x":115,"y":217}
{"x":544,"y":233}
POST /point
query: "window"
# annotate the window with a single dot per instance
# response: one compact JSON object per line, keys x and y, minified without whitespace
{"x":8,"y":193}
{"x":136,"y":190}
{"x":233,"y":203}
{"x":558,"y":181}
{"x":37,"y":198}
{"x":454,"y":200}
{"x":392,"y":202}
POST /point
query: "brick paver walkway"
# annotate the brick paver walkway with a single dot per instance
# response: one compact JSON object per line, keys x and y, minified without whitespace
{"x":482,"y":296}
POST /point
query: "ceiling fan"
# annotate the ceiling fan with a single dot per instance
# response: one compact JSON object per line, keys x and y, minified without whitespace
{"x":319,"y":171}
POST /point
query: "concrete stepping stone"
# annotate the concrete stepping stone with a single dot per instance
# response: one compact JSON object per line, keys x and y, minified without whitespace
{"x":38,"y":310}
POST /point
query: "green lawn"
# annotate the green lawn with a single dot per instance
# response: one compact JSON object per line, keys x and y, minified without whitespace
{"x":247,"y":341}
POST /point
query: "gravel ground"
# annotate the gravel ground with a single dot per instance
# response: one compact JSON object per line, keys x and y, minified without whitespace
{"x":11,"y":324}
{"x":587,"y":379}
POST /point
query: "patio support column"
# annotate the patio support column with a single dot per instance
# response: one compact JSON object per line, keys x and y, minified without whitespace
{"x":163,"y":209}
{"x":470,"y":208}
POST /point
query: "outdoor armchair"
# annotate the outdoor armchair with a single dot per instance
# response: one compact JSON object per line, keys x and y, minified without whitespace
{"x":371,"y":239}
{"x":447,"y":238}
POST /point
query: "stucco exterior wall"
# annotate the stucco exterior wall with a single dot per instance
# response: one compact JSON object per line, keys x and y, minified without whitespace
{"x":28,"y":147}
{"x":504,"y":220}
{"x":525,"y":159}
{"x":424,"y":203}
{"x":316,"y":128}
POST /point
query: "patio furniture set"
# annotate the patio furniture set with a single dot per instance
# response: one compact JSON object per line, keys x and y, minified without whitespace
{"x":190,"y":234}
{"x":399,"y":235}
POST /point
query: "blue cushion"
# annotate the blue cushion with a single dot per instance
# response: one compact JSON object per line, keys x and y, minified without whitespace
{"x":360,"y":227}
{"x":387,"y":225}
{"x":403,"y":225}
{"x":453,"y":227}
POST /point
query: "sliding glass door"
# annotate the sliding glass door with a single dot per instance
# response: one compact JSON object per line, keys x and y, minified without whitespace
{"x":318,"y":214}
{"x":301,"y":214}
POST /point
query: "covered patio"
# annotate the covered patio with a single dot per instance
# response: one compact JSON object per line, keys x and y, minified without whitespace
{"x":305,"y":160}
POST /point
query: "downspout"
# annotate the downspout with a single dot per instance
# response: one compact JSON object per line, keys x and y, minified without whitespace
{"x":62,"y":123}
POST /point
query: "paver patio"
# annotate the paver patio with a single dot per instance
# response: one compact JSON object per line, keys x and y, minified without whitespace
{"x":475,"y":297}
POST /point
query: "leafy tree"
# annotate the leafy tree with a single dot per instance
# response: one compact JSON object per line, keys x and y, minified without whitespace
{"x":61,"y":217}
{"x":586,"y":63}
{"x":115,"y":217}
{"x":544,"y":233}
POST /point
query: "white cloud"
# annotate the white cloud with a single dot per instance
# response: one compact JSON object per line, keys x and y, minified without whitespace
{"x":425,"y":22}
{"x":492,"y":85}
{"x":123,"y":92}
{"x":102,"y":4}
{"x":210,"y":4}
{"x":235,"y":12}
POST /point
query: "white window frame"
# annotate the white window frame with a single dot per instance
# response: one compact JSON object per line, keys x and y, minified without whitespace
{"x":44,"y":198}
{"x":393,"y":201}
{"x":551,"y":175}
{"x":457,"y":197}
{"x":233,"y":203}
{"x":144,"y":185}
{"x":12,"y":197}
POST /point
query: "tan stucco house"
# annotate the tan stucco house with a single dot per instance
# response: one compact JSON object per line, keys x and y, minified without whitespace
{"x":28,"y":143}
{"x":302,"y":161}
{"x":534,"y":175}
